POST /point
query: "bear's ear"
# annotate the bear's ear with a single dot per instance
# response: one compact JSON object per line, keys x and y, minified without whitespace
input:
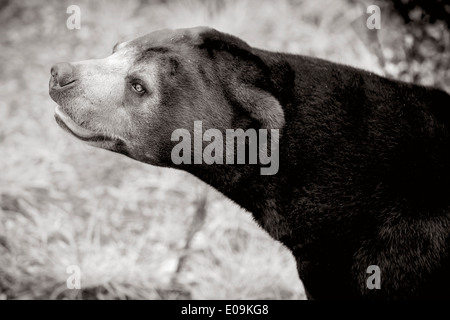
{"x":247,"y":80}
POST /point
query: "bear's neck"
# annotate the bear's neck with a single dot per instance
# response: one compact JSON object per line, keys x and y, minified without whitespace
{"x":255,"y":193}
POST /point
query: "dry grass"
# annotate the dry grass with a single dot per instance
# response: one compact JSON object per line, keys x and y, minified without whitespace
{"x":124,"y":223}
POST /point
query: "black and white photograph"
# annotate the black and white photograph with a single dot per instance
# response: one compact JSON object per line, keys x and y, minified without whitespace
{"x":226,"y":150}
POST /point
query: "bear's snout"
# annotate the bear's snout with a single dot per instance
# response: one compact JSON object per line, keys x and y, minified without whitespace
{"x":61,"y":76}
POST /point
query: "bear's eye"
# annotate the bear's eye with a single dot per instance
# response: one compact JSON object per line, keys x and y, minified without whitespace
{"x":138,"y":87}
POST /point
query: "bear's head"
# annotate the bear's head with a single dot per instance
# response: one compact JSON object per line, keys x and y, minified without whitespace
{"x":132,"y":101}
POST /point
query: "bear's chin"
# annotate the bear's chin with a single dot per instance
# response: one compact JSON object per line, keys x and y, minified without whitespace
{"x":67,"y":124}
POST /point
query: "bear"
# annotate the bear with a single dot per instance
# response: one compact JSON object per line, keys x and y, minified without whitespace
{"x":361,"y":195}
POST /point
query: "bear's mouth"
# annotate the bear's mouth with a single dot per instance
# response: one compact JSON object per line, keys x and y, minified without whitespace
{"x":66,"y":123}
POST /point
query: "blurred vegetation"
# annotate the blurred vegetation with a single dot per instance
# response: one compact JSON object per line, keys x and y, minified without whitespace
{"x":423,"y":12}
{"x":142,"y":232}
{"x":424,"y":39}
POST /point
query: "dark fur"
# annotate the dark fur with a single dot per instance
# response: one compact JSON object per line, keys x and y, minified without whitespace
{"x":364,"y":175}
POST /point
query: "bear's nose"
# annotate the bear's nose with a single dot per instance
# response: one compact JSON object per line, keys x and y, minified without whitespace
{"x":62,"y":74}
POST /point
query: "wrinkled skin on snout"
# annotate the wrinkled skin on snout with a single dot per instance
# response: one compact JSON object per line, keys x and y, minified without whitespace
{"x":132,"y":101}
